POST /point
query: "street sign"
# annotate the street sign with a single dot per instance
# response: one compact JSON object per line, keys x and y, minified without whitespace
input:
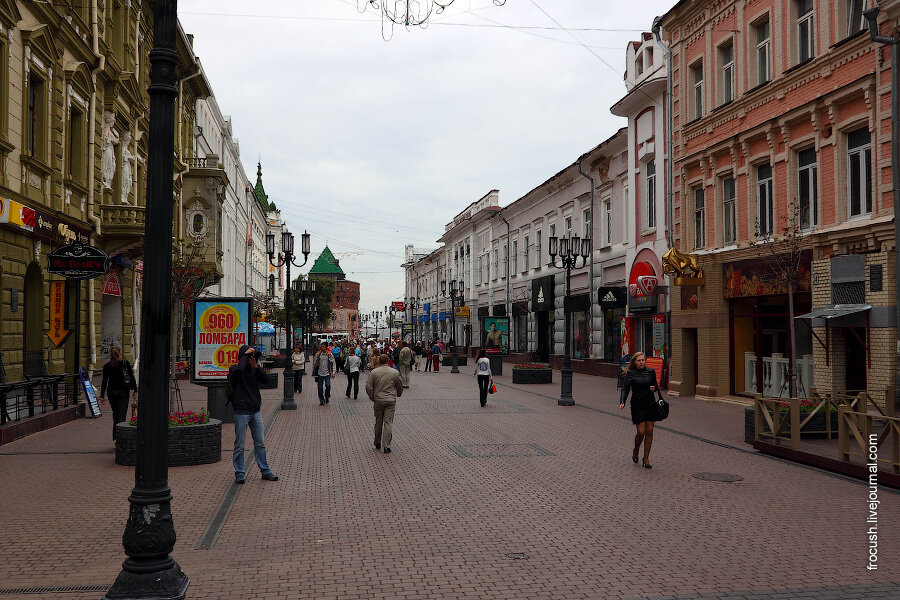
{"x":57,"y":332}
{"x":78,"y":261}
{"x":89,"y":392}
{"x":461,"y":311}
{"x":397,"y":305}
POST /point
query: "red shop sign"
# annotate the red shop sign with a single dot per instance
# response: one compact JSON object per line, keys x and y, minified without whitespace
{"x":112,"y":286}
{"x":643,"y":280}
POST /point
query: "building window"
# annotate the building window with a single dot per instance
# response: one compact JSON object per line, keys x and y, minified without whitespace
{"x":726,"y":56}
{"x":728,"y":213}
{"x":552,"y":229}
{"x":764,"y":210}
{"x":495,"y":271}
{"x":699,"y":218}
{"x":525,"y":252}
{"x":36,"y":125}
{"x":763,"y":51}
{"x":537,"y":249}
{"x":505,"y":260}
{"x":568,"y":227}
{"x":807,"y":188}
{"x":805,"y":30}
{"x":515,"y":256}
{"x":76,"y":147}
{"x":650,"y":195}
{"x":855,"y":20}
{"x":638,"y":65}
{"x":587,"y":224}
{"x":859,"y":179}
{"x":479,"y":271}
{"x":697,"y":78}
{"x":607,"y":210}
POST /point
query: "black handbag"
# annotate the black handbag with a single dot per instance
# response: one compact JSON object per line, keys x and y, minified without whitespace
{"x":662,"y":407}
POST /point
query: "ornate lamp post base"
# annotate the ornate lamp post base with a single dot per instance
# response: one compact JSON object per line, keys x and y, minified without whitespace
{"x":169,"y":584}
{"x":454,"y":361}
{"x":565,"y":395}
{"x":287,"y":402}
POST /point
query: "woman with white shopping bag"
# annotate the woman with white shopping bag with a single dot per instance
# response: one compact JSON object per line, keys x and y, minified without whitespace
{"x":483,"y":375}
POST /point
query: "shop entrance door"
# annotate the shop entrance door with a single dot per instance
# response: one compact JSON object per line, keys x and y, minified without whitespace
{"x":855,"y":376}
{"x":543,"y":336}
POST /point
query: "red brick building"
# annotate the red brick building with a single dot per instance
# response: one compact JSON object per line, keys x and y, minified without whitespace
{"x":781,"y":118}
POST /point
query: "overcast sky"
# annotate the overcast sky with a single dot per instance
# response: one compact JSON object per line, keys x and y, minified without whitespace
{"x":372,"y":145}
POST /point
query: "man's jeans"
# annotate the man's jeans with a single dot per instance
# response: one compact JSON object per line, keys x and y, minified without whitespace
{"x":324,"y":381}
{"x":240,"y":434}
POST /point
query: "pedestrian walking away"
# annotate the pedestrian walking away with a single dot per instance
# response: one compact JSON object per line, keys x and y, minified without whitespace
{"x":640,"y":381}
{"x":418,"y":352}
{"x":245,"y":378}
{"x":118,"y":379}
{"x":352,"y":367}
{"x":428,"y":359}
{"x":383,"y":387}
{"x":324,"y":367}
{"x":298,"y":363}
{"x":405,"y":358}
{"x":483,"y":375}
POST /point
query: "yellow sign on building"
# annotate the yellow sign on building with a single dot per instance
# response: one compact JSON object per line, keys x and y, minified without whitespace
{"x":461,"y":311}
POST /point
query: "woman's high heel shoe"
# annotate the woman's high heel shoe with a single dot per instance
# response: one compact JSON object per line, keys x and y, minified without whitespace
{"x":645,"y":464}
{"x":634,"y":457}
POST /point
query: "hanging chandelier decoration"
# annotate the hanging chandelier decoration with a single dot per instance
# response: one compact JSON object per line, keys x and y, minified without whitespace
{"x":408,"y":13}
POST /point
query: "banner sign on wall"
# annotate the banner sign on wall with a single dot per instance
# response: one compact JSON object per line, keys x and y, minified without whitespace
{"x":461,"y":311}
{"x":495,"y":332}
{"x":221,"y":327}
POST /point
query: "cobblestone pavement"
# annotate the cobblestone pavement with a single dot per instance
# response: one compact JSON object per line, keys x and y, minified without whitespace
{"x":520,"y":499}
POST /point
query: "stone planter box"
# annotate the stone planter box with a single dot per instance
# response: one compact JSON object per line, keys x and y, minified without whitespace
{"x":532,"y":375}
{"x":192,"y":445}
{"x":273,"y":381}
{"x":448,"y":361}
{"x":816,"y":424}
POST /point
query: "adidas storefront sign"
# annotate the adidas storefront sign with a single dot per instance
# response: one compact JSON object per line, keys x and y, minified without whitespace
{"x":612,"y":297}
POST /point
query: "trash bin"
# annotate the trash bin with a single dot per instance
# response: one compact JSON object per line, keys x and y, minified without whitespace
{"x":216,"y":402}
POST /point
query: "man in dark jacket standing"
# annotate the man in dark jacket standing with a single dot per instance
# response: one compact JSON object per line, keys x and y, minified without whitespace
{"x":245,"y":378}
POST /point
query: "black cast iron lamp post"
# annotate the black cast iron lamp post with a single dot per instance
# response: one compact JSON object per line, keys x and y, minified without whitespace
{"x":286,"y":259}
{"x":150,"y":571}
{"x":455,"y":295}
{"x":305,"y":290}
{"x":569,"y":251}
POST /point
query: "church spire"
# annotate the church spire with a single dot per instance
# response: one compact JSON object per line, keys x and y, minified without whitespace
{"x":261,"y":195}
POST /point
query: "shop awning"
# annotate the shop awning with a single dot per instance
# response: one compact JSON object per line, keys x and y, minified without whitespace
{"x":839,"y":311}
{"x":835,"y":310}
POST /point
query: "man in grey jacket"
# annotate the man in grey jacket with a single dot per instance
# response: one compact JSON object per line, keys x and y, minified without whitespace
{"x":383,"y":387}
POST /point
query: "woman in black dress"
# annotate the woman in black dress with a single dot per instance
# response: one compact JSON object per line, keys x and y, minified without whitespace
{"x":640,"y":380}
{"x":118,"y":379}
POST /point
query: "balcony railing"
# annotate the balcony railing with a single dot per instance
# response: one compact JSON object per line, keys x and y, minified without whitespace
{"x":210,"y":161}
{"x":122,"y":217}
{"x":775,"y":375}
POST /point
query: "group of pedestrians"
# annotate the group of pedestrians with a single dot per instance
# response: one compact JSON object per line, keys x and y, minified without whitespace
{"x":390,"y":365}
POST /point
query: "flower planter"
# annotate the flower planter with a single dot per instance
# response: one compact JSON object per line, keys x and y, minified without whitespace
{"x":532,"y":375}
{"x":272,"y":384}
{"x":813,"y":430}
{"x":189,"y":445}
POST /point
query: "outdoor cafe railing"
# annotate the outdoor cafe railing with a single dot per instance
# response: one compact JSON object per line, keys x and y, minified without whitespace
{"x":855,"y":415}
{"x":23,"y":399}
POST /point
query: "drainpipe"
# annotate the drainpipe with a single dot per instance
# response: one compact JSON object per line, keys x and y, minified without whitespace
{"x":100,"y":64}
{"x":591,"y":281}
{"x":508,"y":274}
{"x":670,"y":175}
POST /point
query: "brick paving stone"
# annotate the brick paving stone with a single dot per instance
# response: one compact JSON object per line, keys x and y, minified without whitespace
{"x":347,"y":521}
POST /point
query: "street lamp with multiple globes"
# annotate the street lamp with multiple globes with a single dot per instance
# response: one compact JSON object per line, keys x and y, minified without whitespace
{"x":569,"y":251}
{"x":455,"y":295}
{"x":306,"y":300}
{"x":412,"y":306}
{"x":286,"y":258}
{"x":150,"y":571}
